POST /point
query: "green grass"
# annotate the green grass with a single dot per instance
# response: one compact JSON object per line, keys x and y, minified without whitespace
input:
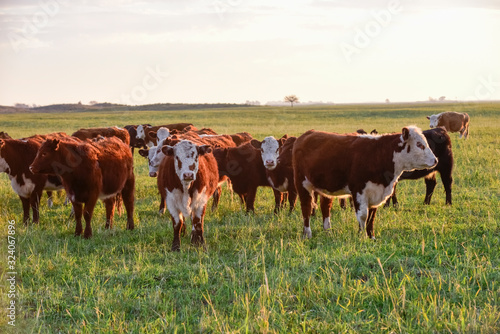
{"x":432,"y":269}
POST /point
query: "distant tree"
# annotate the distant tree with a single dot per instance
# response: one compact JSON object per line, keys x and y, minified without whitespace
{"x":93,"y":102}
{"x":442,"y":98}
{"x":387,"y":101}
{"x":431,"y":99}
{"x":21,"y":105}
{"x":292,"y":99}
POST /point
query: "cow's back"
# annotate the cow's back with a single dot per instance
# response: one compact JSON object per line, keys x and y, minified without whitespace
{"x":115,"y":163}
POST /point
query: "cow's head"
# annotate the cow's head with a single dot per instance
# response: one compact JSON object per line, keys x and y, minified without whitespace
{"x":434,"y":119}
{"x":4,"y":166}
{"x":269,"y":149}
{"x":46,"y":157}
{"x":155,"y":155}
{"x":186,"y":159}
{"x":415,"y":153}
{"x":141,"y":134}
{"x":161,"y":134}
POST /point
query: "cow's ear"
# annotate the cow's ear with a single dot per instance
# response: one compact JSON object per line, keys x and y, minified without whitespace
{"x":255,"y":143}
{"x":204,"y":149}
{"x":167,"y":150}
{"x":282,"y":141}
{"x":152,"y":134}
{"x":405,"y":133}
{"x":144,"y":153}
{"x":285,"y":136}
{"x":428,"y":117}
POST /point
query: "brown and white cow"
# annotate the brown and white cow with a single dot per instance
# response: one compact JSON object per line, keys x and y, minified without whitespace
{"x":114,"y":131}
{"x":91,"y":170}
{"x":452,"y":121}
{"x":244,"y":167}
{"x":16,"y":155}
{"x":143,"y":131}
{"x":277,"y":159}
{"x":188,"y":174}
{"x":134,"y":142}
{"x":365,"y":167}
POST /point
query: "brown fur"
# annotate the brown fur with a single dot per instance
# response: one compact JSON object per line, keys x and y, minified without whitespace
{"x":91,"y":133}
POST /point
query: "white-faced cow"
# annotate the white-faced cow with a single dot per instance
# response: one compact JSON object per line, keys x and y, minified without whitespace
{"x":277,"y":159}
{"x":189,"y":176}
{"x":452,"y":121}
{"x":365,"y":167}
{"x":16,"y":155}
{"x":90,"y":171}
{"x":440,"y":144}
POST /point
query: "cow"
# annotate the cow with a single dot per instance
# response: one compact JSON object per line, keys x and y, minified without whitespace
{"x":4,"y":135}
{"x":365,"y":167}
{"x":241,"y":138}
{"x":452,"y":121}
{"x":244,"y":167}
{"x":91,"y":133}
{"x":277,"y":159}
{"x":16,"y":155}
{"x":134,"y":142}
{"x":188,"y":175}
{"x":440,"y":144}
{"x":144,"y":130}
{"x":90,"y":171}
{"x":161,"y":134}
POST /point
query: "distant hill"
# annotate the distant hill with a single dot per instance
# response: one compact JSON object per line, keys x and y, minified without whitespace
{"x":77,"y":107}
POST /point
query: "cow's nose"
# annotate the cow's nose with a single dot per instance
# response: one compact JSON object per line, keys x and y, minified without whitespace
{"x":269,"y":162}
{"x":152,"y":174}
{"x":31,"y":169}
{"x":188,"y":176}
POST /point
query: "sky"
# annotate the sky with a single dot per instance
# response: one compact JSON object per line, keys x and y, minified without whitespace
{"x":233,"y":51}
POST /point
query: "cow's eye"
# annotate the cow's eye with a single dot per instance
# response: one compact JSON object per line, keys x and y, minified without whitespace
{"x":420,"y":146}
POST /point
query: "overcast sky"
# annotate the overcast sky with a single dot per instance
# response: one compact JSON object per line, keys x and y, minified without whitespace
{"x":196,"y":51}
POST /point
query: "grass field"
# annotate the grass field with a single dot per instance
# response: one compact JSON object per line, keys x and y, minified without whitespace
{"x":432,"y":269}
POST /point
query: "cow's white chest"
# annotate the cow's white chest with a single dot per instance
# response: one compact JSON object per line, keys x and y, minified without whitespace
{"x":24,"y":190}
{"x":49,"y":186}
{"x":280,"y":187}
{"x":103,"y":196}
{"x":4,"y":166}
{"x":179,"y":202}
{"x":375,"y":194}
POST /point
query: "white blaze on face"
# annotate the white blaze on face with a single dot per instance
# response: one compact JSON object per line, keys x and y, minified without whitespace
{"x":186,"y":161}
{"x":155,"y":157}
{"x":270,"y":152}
{"x":434,"y":119}
{"x":140,"y":132}
{"x":416,"y":153}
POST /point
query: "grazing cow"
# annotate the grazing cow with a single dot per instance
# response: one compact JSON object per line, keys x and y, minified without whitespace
{"x":91,"y":171}
{"x":16,"y":155}
{"x":244,"y":167}
{"x":452,"y":122}
{"x":144,"y":130}
{"x":277,"y":159}
{"x":4,"y":135}
{"x":91,"y":133}
{"x":134,"y":142}
{"x":365,"y":167}
{"x":188,"y":175}
{"x":440,"y":144}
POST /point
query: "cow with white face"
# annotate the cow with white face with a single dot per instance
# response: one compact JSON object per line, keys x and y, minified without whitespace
{"x":362,"y":166}
{"x":188,"y":175}
{"x":452,"y":121}
{"x":269,"y":149}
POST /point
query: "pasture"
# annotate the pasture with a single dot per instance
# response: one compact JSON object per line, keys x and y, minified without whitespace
{"x":432,"y":268}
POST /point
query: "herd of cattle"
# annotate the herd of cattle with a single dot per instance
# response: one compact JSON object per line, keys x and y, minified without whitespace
{"x":191,"y":164}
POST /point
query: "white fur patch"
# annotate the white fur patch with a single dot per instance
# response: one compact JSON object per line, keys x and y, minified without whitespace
{"x":140,"y":132}
{"x":434,"y":120}
{"x":420,"y":156}
{"x":307,"y":232}
{"x":24,"y":190}
{"x":4,"y":166}
{"x":369,"y":136}
{"x":162,"y":134}
{"x":326,"y":223}
{"x":186,"y":153}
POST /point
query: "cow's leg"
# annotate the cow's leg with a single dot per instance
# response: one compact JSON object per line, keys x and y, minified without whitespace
{"x":50,"y":201}
{"x":430,"y":184}
{"x":393,"y":197}
{"x":163,"y":204}
{"x":178,"y":223}
{"x":119,"y":204}
{"x":342,"y":203}
{"x":250,"y":199}
{"x":197,"y":238}
{"x":447,"y":182}
{"x":326,"y":206}
{"x":78,"y":212}
{"x":26,"y":209}
{"x":35,"y":204}
{"x":278,"y":200}
{"x":284,"y":199}
{"x":110,"y":211}
{"x":306,"y":204}
{"x":292,"y":199}
{"x":369,"y":223}
{"x":128,"y":192}
{"x":216,"y":198}
{"x":88,"y":212}
{"x":361,"y":208}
